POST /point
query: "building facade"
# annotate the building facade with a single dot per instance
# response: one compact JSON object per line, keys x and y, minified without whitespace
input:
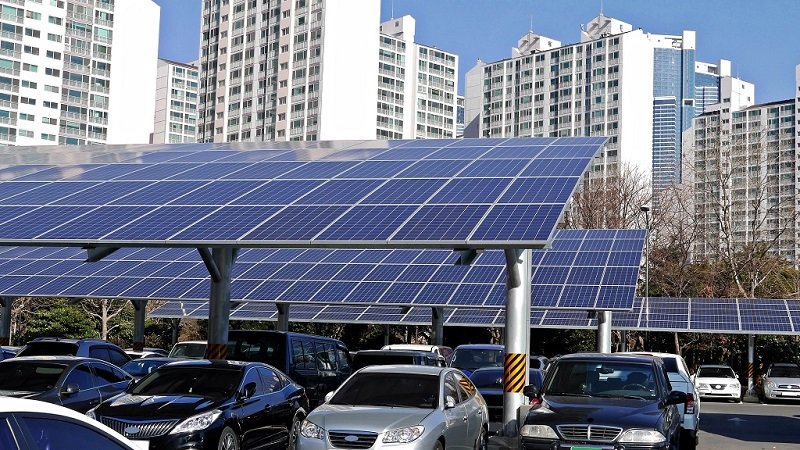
{"x":746,"y":178}
{"x":77,"y":71}
{"x":283,"y":70}
{"x":601,"y":86}
{"x":176,"y":103}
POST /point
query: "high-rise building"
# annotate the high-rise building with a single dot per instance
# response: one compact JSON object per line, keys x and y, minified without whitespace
{"x":319,"y":70}
{"x":460,"y":116}
{"x":745,"y":178}
{"x":601,"y":86}
{"x":176,"y":103}
{"x":77,"y":71}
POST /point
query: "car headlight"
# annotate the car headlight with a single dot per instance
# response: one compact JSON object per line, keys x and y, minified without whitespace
{"x":702,"y":386}
{"x":638,"y":436}
{"x":91,"y":414}
{"x":538,"y":432}
{"x":311,"y":430}
{"x":735,"y":385}
{"x":403,"y":435}
{"x":197,"y":423}
{"x":771,"y":384}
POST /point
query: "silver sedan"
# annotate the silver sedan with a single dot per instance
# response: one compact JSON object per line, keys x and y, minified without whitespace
{"x":399,"y":407}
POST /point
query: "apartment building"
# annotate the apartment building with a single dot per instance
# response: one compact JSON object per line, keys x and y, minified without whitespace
{"x":745,"y":177}
{"x":602,"y":86}
{"x":77,"y":71}
{"x":176,"y":103}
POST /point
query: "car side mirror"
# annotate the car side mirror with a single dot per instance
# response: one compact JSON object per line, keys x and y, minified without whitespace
{"x":530,"y":391}
{"x":248,"y":391}
{"x":70,"y":389}
{"x":449,"y":402}
{"x":676,"y":398}
{"x":328,"y":396}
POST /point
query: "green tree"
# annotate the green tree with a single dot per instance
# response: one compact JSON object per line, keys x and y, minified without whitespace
{"x":61,"y":318}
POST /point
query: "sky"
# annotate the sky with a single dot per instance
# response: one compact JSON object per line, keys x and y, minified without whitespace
{"x":759,"y":37}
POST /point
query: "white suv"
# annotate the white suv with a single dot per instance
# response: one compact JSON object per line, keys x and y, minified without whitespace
{"x":679,"y":378}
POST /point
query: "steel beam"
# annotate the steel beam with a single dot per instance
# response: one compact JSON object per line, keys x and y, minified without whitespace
{"x":437,"y":319}
{"x":95,"y":254}
{"x":5,"y":319}
{"x":139,"y":309}
{"x":604,"y":331}
{"x":219,"y":306}
{"x":283,"y":317}
{"x":518,"y":316}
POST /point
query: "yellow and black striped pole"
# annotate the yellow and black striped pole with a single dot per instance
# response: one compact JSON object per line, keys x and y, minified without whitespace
{"x":518,"y":328}
{"x":514,"y":372}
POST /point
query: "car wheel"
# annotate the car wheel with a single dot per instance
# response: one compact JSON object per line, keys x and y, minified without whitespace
{"x":228,"y":440}
{"x":688,"y":440}
{"x":438,"y":445}
{"x":482,"y":442}
{"x":293,"y":433}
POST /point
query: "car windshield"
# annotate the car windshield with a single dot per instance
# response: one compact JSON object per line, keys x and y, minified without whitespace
{"x":381,"y":359}
{"x":141,"y":367}
{"x":715,"y":372}
{"x":194,"y":350}
{"x":602,"y":379}
{"x":49,"y":349}
{"x":472,"y":358}
{"x":19,"y":376}
{"x":784,"y":372}
{"x":389,"y":389}
{"x":201,"y":381}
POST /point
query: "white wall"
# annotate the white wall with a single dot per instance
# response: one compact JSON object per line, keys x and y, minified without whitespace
{"x":636,"y":102}
{"x":473,"y":92}
{"x":134,"y":56}
{"x":349,"y":81}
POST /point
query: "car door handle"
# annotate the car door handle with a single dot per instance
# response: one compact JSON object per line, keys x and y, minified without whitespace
{"x":268,"y":408}
{"x":466,"y":418}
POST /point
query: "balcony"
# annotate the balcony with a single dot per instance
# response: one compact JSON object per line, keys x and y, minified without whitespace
{"x":69,"y":131}
{"x":8,"y":120}
{"x":101,"y":72}
{"x":77,"y":84}
{"x":73,"y":116}
{"x":9,"y":87}
{"x":85,"y":18}
{"x":15,"y":36}
{"x":103,"y":39}
{"x":79,"y":51}
{"x":98,"y":120}
{"x":9,"y":71}
{"x":69,"y":99}
{"x":104,"y":22}
{"x":109,"y":6}
{"x":102,"y":55}
{"x":101,"y":89}
{"x":9,"y":104}
{"x":98,"y":136}
{"x":8,"y":137}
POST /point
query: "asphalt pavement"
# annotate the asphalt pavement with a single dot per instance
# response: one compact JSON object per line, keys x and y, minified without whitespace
{"x":749,"y":426}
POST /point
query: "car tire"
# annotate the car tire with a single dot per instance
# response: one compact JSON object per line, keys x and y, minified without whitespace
{"x":294,"y":432}
{"x":438,"y":445}
{"x":228,"y":440}
{"x":482,"y":442}
{"x":688,"y":440}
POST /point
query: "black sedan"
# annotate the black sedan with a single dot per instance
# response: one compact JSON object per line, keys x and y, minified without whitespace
{"x":603,"y":401}
{"x":202,"y":404}
{"x":140,"y":367}
{"x":74,"y":382}
{"x":489,"y":381}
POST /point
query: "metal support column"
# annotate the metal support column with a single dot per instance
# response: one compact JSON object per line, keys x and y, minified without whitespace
{"x":518,"y":317}
{"x":437,"y":317}
{"x":5,"y":320}
{"x":386,"y":335}
{"x":219,"y":306}
{"x":604,"y":331}
{"x":751,"y":350}
{"x":283,"y":317}
{"x":623,"y":340}
{"x":176,"y":325}
{"x":139,"y":309}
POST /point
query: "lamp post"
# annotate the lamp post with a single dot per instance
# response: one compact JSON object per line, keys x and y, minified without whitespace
{"x":646,"y":210}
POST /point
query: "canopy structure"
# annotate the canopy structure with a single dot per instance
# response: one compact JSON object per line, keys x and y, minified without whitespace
{"x":584,"y":269}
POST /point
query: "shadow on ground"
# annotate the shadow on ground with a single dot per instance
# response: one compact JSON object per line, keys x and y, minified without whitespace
{"x":752,"y":428}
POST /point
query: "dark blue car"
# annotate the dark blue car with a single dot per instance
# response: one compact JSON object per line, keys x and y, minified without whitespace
{"x":470,"y":357}
{"x":489,"y":381}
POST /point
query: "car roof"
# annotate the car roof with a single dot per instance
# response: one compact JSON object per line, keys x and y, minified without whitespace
{"x":192,"y":342}
{"x":69,"y":340}
{"x":792,"y":365}
{"x":625,"y":357}
{"x":403,"y":352}
{"x":499,"y":370}
{"x":406,"y":369}
{"x":409,"y":347}
{"x":659,"y":354}
{"x":715,"y":366}
{"x":157,"y":359}
{"x":214,"y":363}
{"x":481,"y":347}
{"x":63,"y":359}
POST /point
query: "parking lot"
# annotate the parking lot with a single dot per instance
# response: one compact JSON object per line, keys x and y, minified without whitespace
{"x":749,"y":426}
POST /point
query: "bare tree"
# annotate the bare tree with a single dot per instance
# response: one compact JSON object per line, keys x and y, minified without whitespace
{"x":612,"y":202}
{"x":105,"y":311}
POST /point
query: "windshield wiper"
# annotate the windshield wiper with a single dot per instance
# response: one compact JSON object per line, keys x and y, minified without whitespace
{"x":627,"y":396}
{"x":570,"y":394}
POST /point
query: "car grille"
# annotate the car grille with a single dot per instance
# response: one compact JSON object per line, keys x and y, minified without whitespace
{"x":589,"y":433}
{"x":788,"y":386}
{"x":719,"y":387}
{"x":352,"y":439}
{"x":139,"y":430}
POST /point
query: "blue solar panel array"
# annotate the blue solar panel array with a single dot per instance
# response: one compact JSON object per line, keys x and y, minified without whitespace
{"x":586,"y":269}
{"x":740,"y":316}
{"x":482,"y":193}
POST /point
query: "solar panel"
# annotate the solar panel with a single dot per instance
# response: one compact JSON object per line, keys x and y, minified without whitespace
{"x":380,"y":194}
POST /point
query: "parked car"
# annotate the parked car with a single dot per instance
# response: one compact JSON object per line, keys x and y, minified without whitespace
{"x":469,"y":357}
{"x":717,"y":381}
{"x":74,"y":382}
{"x":91,"y":348}
{"x":781,"y":382}
{"x":203,"y":404}
{"x":146,"y":352}
{"x":189,"y":349}
{"x":681,"y":380}
{"x":442,"y":350}
{"x":137,"y":368}
{"x":8,"y":352}
{"x":386,"y":357}
{"x":538,"y":362}
{"x":31,"y":424}
{"x":595,"y":400}
{"x":489,"y":381}
{"x":409,"y":407}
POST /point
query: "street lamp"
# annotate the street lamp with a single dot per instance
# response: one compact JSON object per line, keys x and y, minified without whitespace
{"x":646,"y":210}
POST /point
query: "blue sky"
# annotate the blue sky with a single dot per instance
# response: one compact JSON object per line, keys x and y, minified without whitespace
{"x":759,"y":36}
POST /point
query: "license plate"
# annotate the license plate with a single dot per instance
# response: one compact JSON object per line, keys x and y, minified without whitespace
{"x":789,"y":394}
{"x":141,"y":445}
